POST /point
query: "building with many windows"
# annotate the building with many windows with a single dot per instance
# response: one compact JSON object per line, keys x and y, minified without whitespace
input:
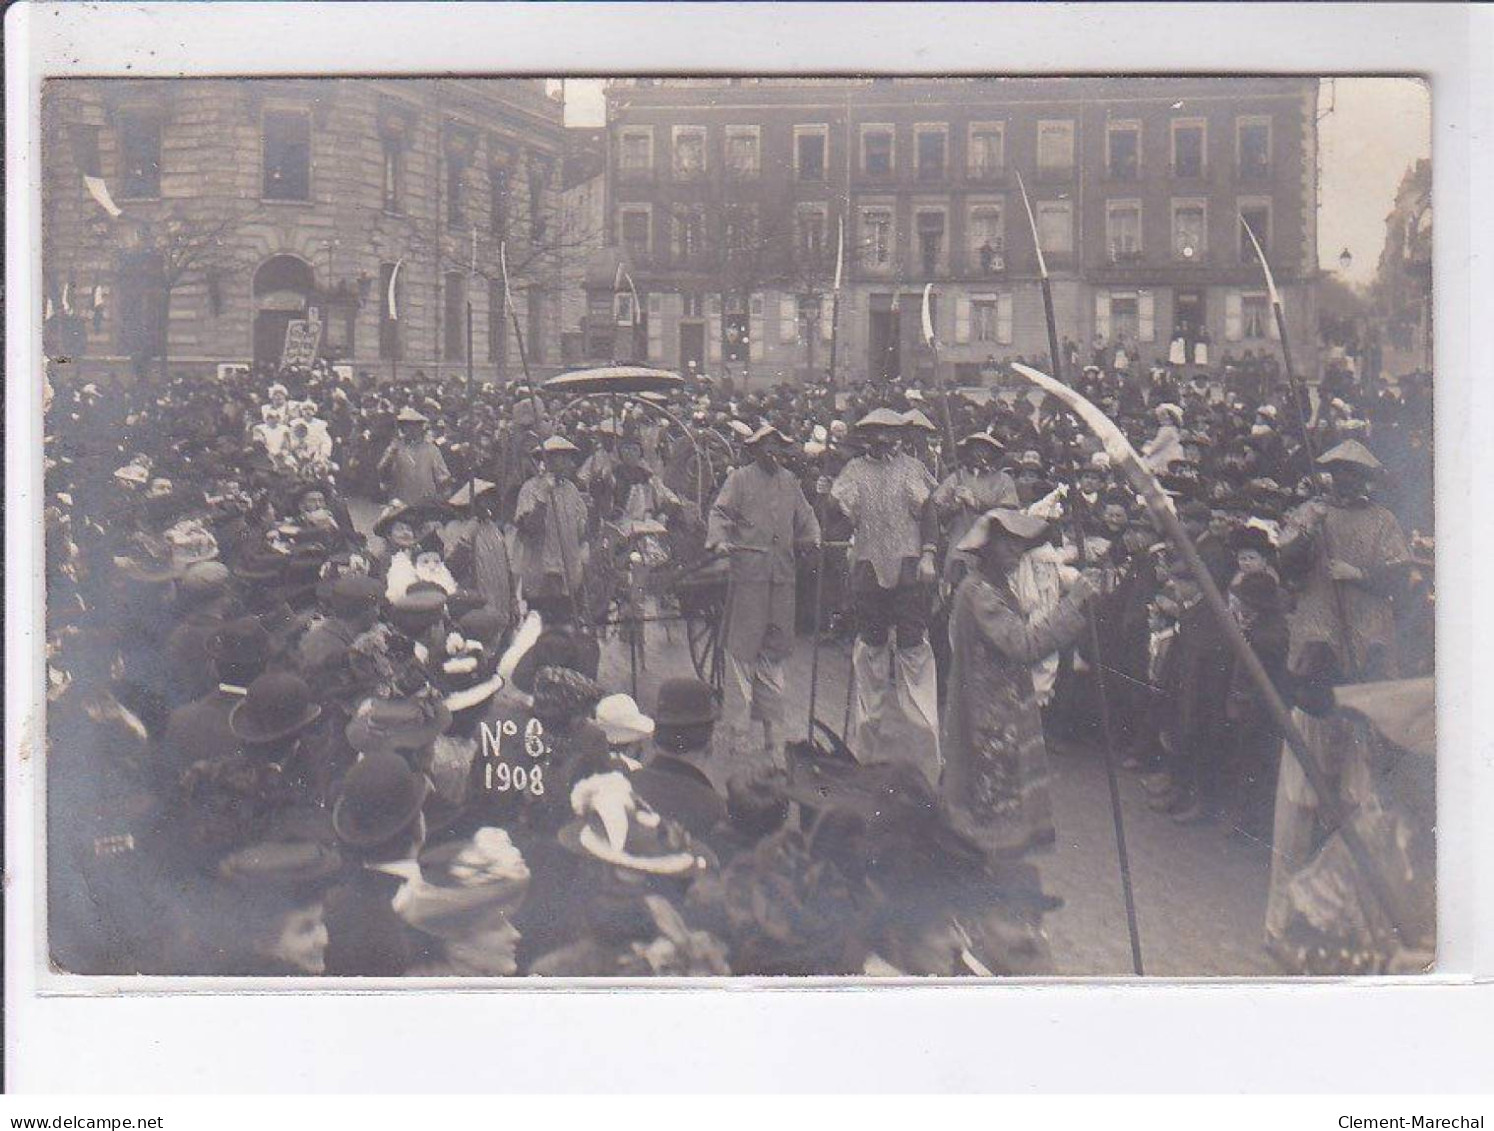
{"x":188,"y":222}
{"x":726,"y":200}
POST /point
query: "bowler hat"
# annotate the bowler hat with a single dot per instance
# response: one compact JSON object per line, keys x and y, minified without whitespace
{"x":685,"y":702}
{"x":462,"y":602}
{"x":242,"y":642}
{"x":257,"y":562}
{"x":381,"y":796}
{"x":482,"y":623}
{"x":350,"y":595}
{"x":277,"y":706}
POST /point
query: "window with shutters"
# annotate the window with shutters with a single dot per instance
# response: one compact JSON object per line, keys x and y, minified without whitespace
{"x":986,"y":159}
{"x":534,"y":339}
{"x":1189,"y":229}
{"x":788,"y":319}
{"x":809,"y":239}
{"x":743,"y":153}
{"x":456,"y":192}
{"x":139,"y":156}
{"x":810,"y":145}
{"x":1123,"y":151}
{"x":394,"y":175}
{"x":983,"y":313}
{"x":739,"y":228}
{"x":287,"y":155}
{"x":1055,"y":221}
{"x":987,"y":238}
{"x":499,"y":198}
{"x":876,"y":237}
{"x":654,"y":326}
{"x":689,"y":152}
{"x":1125,"y":316}
{"x":539,"y":169}
{"x":807,"y":316}
{"x":1189,"y":147}
{"x":1123,"y":229}
{"x":634,"y":229}
{"x":1055,"y":146}
{"x":1255,"y":315}
{"x":1257,"y":213}
{"x":1253,"y":148}
{"x":454,"y":328}
{"x":932,"y":143}
{"x":877,"y":144}
{"x":930,"y":224}
{"x":635,"y":152}
{"x":689,"y":233}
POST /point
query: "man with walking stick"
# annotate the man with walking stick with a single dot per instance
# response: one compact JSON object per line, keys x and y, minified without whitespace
{"x":760,"y":518}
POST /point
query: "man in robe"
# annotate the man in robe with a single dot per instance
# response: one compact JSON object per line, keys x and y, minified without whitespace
{"x":760,"y":518}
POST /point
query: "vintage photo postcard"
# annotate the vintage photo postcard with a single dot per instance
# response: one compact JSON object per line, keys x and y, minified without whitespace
{"x":717,"y":527}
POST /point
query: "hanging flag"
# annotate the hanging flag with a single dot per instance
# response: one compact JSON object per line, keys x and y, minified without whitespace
{"x":47,"y":311}
{"x":928,"y":315}
{"x":393,"y":278}
{"x":100,"y":192}
{"x":67,"y":297}
{"x":98,"y":307}
{"x":617,"y":279}
{"x":840,"y":252}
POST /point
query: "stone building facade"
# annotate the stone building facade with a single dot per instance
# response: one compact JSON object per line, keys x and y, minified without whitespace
{"x":244,"y":205}
{"x":726,"y":199}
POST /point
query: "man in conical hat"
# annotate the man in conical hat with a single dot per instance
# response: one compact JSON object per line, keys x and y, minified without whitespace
{"x":760,"y":518}
{"x":887,"y":496}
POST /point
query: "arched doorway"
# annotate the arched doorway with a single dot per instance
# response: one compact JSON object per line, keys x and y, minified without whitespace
{"x":283,"y":286}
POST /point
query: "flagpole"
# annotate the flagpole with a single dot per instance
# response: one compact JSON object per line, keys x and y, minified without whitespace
{"x":1107,"y":730}
{"x":819,"y":506}
{"x":1123,"y":457}
{"x":1340,"y":608}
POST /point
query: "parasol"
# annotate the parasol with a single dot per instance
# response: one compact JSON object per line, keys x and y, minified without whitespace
{"x":615,"y":379}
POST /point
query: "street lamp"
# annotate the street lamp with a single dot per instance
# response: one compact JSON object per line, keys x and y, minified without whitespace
{"x":1345,"y":260}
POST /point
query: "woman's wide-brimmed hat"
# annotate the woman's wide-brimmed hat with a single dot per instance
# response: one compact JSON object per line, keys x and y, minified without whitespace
{"x":381,"y":796}
{"x":622,"y":721}
{"x":278,"y":705}
{"x":282,"y":864}
{"x":394,"y":725}
{"x":1016,"y":524}
{"x":617,"y":827}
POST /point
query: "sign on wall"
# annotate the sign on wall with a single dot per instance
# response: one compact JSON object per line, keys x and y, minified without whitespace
{"x":302,"y":337}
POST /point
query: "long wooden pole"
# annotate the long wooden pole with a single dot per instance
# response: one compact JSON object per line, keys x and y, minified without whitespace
{"x":1340,"y":607}
{"x":1107,"y":733}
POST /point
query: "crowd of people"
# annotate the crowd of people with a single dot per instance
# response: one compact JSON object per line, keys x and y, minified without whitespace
{"x":323,"y":661}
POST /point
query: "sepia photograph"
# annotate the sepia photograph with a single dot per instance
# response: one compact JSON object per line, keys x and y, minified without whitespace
{"x":802,"y":526}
